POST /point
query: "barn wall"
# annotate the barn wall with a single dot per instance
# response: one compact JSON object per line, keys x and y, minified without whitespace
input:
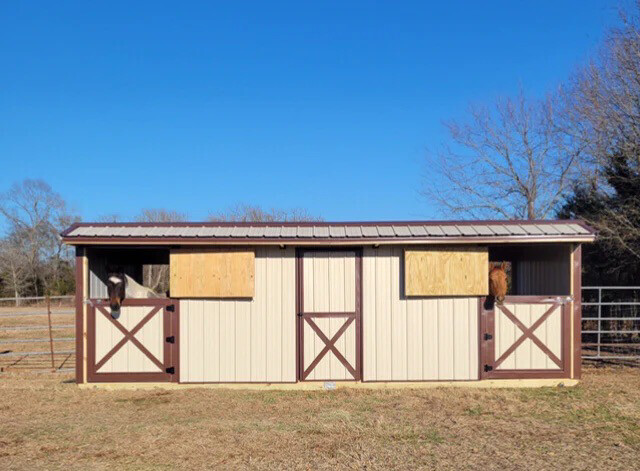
{"x":98,"y":276}
{"x":244,"y":340}
{"x":538,"y":270}
{"x":549,"y":276}
{"x":418,"y":338}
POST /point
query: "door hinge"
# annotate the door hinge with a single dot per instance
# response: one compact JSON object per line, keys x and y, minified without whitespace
{"x":299,"y":314}
{"x":171,"y":339}
{"x":171,"y":308}
{"x":488,"y":368}
{"x":488,"y":336}
{"x":171,"y":370}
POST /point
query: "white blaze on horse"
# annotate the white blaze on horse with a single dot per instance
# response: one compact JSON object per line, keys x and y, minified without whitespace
{"x":121,"y":286}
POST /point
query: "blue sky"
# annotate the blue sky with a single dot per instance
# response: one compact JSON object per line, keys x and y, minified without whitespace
{"x":328,"y":106}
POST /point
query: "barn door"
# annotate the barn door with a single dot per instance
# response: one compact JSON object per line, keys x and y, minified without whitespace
{"x":140,"y":345}
{"x":525,"y":337}
{"x":329,"y":346}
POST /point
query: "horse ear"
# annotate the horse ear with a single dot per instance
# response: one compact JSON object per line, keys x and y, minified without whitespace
{"x":503,"y":266}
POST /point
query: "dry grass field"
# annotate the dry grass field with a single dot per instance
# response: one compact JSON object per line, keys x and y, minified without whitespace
{"x":46,"y":422}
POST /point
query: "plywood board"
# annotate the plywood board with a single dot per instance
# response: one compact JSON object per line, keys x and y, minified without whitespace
{"x":447,"y":271}
{"x":212,"y":273}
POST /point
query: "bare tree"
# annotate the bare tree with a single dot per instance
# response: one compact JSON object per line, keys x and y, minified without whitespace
{"x":603,"y":112}
{"x":109,"y":217}
{"x":604,"y":96}
{"x":510,"y":160}
{"x":14,"y":270}
{"x":160,"y":215}
{"x":156,"y":277}
{"x":255,"y":213}
{"x":35,"y":215}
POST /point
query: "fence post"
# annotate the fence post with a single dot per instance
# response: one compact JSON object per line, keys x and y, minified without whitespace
{"x":53,"y":364}
{"x":599,"y":320}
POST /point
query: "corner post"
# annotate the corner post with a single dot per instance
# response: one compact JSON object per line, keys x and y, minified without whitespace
{"x":577,"y":311}
{"x":79,"y":302}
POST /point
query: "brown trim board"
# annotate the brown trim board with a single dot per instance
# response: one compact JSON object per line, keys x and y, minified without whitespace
{"x":79,"y":301}
{"x":577,"y":311}
{"x":305,"y":241}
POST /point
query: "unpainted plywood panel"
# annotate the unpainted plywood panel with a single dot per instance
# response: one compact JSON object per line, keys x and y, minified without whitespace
{"x":413,"y":339}
{"x":447,"y":271}
{"x":212,"y":273}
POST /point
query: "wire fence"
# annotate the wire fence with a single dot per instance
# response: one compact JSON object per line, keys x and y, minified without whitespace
{"x":37,"y":333}
{"x":611,"y":323}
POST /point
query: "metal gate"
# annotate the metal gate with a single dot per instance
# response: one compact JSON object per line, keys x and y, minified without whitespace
{"x":329,"y":312}
{"x":525,"y":337}
{"x":140,"y":345}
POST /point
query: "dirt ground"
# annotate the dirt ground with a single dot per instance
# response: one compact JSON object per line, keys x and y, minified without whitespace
{"x":47,"y":422}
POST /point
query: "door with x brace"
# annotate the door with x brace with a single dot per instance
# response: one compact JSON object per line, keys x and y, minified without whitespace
{"x":329,"y":310}
{"x":139,"y":345}
{"x":525,"y":337}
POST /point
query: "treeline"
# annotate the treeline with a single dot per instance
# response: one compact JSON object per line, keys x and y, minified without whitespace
{"x":35,"y":262}
{"x":573,"y":154}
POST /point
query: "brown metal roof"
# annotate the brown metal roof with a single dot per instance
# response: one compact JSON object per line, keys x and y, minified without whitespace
{"x":329,"y":232}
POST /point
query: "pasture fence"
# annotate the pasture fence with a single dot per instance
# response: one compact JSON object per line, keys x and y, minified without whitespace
{"x":37,"y":333}
{"x":611,"y":323}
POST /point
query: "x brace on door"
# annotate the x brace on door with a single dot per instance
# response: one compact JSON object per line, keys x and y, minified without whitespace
{"x":129,"y":336}
{"x":528,"y":333}
{"x":330,"y":346}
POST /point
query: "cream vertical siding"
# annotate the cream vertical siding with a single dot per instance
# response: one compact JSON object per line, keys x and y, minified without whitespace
{"x":417,"y":338}
{"x":329,"y":284}
{"x":244,"y":340}
{"x":129,"y":358}
{"x":528,"y":355}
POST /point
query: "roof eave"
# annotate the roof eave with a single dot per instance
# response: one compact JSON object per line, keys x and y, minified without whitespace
{"x":302,"y":241}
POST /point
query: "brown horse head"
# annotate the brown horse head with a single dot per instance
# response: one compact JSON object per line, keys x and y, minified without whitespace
{"x":498,"y":282}
{"x":116,"y":287}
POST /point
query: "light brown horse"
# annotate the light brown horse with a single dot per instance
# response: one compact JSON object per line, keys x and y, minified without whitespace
{"x":498,"y":282}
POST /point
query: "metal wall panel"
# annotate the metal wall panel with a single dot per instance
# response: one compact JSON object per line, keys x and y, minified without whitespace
{"x":413,"y":339}
{"x":543,"y":271}
{"x":244,"y":340}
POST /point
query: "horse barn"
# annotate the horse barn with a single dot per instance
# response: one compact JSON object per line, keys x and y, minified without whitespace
{"x":313,"y":305}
